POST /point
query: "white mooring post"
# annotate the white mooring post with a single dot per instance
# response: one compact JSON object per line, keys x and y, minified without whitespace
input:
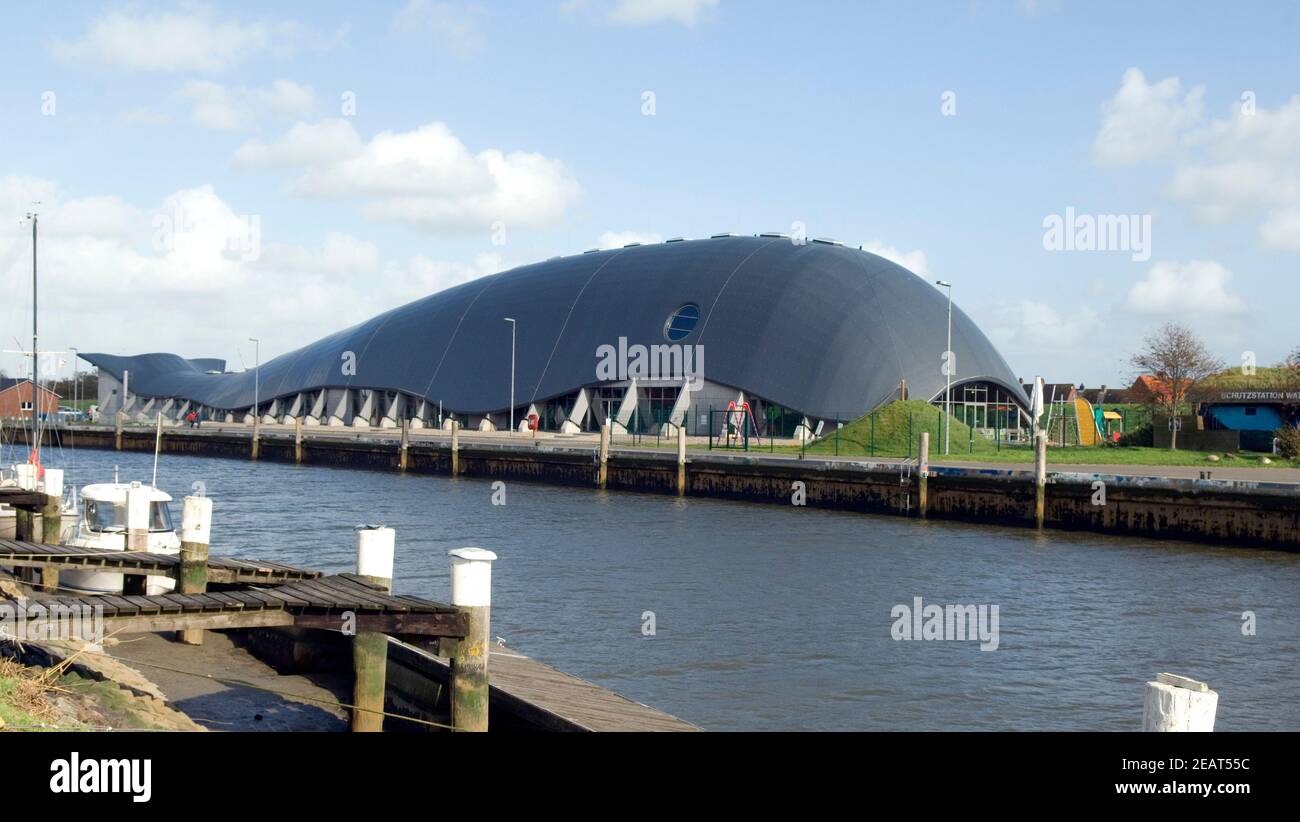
{"x":1176,"y":703}
{"x":137,"y":533}
{"x":375,"y":549}
{"x":471,"y":592}
{"x":196,"y":536}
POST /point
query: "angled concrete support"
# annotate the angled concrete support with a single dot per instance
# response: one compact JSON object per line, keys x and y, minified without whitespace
{"x":573,"y":418}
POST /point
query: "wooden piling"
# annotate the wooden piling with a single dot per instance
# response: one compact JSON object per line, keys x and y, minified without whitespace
{"x":52,"y":521}
{"x":455,"y":447}
{"x":24,"y":525}
{"x":471,"y":592}
{"x":117,"y":431}
{"x":403,"y":460}
{"x":297,"y":440}
{"x":602,"y":463}
{"x":1040,"y":478}
{"x":681,"y":459}
{"x":375,"y":547}
{"x":257,"y":438}
{"x":196,"y":527}
{"x":923,"y":470}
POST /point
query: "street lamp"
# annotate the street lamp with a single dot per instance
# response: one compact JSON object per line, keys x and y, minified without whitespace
{"x":257,"y":367}
{"x":513,"y":326}
{"x":947,"y":368}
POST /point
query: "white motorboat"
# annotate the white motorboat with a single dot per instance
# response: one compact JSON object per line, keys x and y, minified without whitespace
{"x":103,"y":525}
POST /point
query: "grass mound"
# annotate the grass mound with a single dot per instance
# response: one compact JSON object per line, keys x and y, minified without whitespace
{"x":887,"y":432}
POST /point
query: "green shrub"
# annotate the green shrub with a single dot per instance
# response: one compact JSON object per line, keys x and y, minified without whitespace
{"x":1288,"y":444}
{"x":1138,"y":438}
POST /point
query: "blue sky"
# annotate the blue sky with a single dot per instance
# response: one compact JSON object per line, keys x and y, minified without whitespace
{"x":487,"y":135}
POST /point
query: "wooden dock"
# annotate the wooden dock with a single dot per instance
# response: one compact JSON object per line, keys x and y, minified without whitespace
{"x":252,"y":594}
{"x":342,"y":602}
{"x":21,"y":499}
{"x":545,"y":698}
{"x":227,"y":570}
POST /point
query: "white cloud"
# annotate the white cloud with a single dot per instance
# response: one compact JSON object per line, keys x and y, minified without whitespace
{"x":214,"y":105}
{"x":191,"y":39}
{"x":306,"y":144}
{"x":425,"y":178}
{"x":191,"y":292}
{"x":1143,"y":121}
{"x":100,"y":215}
{"x":1246,"y":165}
{"x":452,"y":27}
{"x":1282,"y":229}
{"x":618,"y":239}
{"x":913,"y":261}
{"x":1031,"y":326}
{"x":650,"y":12}
{"x":1250,"y":166}
{"x":1196,"y":288}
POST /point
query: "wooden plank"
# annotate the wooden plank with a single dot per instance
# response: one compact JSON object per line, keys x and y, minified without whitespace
{"x":187,"y":604}
{"x":210,"y":621}
{"x":450,"y":625}
{"x":167,"y":606}
{"x":268,"y":602}
{"x":250,"y":602}
{"x":122,"y":605}
{"x":144,"y":605}
{"x":367,"y":598}
{"x":425,"y":605}
{"x":289,"y":600}
{"x":208,"y":602}
{"x":230,"y":602}
{"x":318,"y":597}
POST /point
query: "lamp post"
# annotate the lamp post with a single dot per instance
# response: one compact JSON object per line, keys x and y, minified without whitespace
{"x":513,"y":327}
{"x":947,"y":368}
{"x":257,"y":367}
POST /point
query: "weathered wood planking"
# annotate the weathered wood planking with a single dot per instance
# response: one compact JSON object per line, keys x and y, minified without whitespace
{"x":546,"y":697}
{"x":330,"y":603}
{"x":19,"y":498}
{"x":225,"y":570}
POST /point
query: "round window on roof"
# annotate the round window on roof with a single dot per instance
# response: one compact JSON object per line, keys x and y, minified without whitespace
{"x":682,"y":322}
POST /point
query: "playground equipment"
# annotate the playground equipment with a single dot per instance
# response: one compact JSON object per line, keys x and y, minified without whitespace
{"x":736,"y":428}
{"x":1090,"y":423}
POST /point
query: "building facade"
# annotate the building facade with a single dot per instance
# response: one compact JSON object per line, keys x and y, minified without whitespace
{"x":650,"y":337}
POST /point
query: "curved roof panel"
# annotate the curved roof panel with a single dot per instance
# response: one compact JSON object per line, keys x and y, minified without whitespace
{"x":820,"y":328}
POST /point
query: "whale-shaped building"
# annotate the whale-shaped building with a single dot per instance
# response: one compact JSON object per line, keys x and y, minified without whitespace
{"x":646,"y":335}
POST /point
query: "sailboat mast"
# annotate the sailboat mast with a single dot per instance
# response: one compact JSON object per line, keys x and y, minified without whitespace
{"x":35,"y":367}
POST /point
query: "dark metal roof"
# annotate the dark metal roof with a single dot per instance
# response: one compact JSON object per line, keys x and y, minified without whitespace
{"x":823,"y":329}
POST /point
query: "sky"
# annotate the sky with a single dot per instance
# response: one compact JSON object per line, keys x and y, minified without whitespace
{"x":209,"y":173}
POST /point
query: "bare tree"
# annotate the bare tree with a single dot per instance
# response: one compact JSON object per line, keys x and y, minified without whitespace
{"x":1179,"y":361}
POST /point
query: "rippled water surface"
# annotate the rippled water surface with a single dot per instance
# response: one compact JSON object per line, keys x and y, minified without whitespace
{"x":779,"y":618}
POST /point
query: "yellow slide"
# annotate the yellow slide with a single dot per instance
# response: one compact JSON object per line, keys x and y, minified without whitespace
{"x":1088,"y":433}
